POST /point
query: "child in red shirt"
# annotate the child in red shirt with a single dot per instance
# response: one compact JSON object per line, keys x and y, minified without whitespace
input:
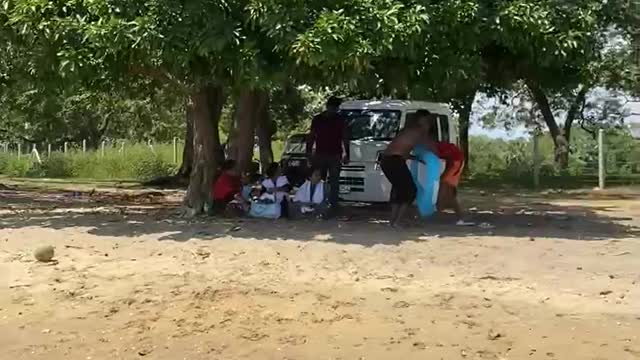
{"x":226,"y":187}
{"x":450,"y":179}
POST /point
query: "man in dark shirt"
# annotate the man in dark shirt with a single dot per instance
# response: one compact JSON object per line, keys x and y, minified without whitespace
{"x":330,"y":135}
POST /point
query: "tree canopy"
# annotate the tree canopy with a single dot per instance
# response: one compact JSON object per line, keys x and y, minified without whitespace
{"x":80,"y":65}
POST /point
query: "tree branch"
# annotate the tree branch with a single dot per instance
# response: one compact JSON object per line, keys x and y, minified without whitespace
{"x":577,"y":106}
{"x":105,"y":124}
{"x":156,"y":74}
{"x":545,"y":108}
{"x":21,"y":137}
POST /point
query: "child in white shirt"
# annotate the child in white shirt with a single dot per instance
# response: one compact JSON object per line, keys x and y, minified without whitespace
{"x":278,"y":185}
{"x":310,"y":198}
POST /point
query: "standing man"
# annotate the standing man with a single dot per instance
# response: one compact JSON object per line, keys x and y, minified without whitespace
{"x":394,"y":163}
{"x":330,"y":136}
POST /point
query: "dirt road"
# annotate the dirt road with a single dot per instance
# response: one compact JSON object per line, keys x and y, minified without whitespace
{"x":555,"y":279}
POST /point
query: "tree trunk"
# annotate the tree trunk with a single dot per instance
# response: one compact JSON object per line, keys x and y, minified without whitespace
{"x":231,"y":148}
{"x":561,"y":136}
{"x":187,"y":151}
{"x":559,"y":140}
{"x":265,"y":131}
{"x":206,"y":115}
{"x":249,"y":103}
{"x":575,"y":109}
{"x":216,"y":103}
{"x":464,"y":125}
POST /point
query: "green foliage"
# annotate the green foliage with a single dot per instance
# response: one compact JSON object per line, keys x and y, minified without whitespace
{"x":137,"y":162}
{"x":57,"y":166}
{"x":73,"y":70}
{"x":493,"y":162}
{"x":14,"y":166}
{"x":497,"y":162}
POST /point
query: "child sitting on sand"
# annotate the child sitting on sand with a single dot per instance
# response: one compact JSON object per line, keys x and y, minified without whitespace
{"x":277,"y":185}
{"x":242,"y":201}
{"x":310,"y":198}
{"x":225,"y":188}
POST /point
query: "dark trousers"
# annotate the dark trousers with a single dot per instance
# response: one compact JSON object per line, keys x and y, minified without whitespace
{"x":331,"y":166}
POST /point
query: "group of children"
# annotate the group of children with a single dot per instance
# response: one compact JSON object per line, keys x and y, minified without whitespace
{"x":267,"y":196}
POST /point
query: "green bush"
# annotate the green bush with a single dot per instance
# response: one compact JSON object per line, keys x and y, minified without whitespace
{"x":136,"y":162}
{"x":152,"y":167}
{"x":56,"y":166}
{"x":18,"y":166}
{"x":4,"y":159}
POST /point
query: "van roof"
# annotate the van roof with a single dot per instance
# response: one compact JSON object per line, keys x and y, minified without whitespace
{"x":438,"y":108}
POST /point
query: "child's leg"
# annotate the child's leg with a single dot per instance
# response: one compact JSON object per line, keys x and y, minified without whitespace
{"x":394,"y":214}
{"x":400,"y":210}
{"x":455,"y":204}
{"x":445,"y":197}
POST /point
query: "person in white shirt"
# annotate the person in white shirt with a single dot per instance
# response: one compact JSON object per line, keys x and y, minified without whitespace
{"x":310,"y":198}
{"x":278,"y":185}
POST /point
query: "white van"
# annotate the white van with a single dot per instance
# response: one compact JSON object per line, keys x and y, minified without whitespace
{"x":373,"y":124}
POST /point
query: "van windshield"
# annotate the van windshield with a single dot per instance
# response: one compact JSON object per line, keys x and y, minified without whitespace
{"x":372,"y":124}
{"x":296,"y":144}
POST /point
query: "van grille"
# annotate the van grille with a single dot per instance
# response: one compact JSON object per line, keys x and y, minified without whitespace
{"x":352,"y":181}
{"x":353,"y":168}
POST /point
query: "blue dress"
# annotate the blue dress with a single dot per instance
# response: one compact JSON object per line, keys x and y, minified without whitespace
{"x":427,"y":179}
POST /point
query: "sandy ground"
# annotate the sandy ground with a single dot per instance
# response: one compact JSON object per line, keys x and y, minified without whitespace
{"x":556,"y":278}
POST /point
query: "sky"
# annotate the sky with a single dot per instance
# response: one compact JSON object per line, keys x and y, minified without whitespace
{"x":634,"y":119}
{"x":483,"y":105}
{"x":498,"y":133}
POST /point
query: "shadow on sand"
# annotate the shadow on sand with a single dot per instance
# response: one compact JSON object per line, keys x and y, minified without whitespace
{"x":154,"y":213}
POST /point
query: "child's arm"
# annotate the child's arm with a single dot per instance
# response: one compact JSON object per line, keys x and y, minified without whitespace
{"x":415,"y":158}
{"x":430,"y":145}
{"x":284,"y":187}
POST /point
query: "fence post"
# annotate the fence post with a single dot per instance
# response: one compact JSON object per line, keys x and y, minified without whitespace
{"x":175,"y":150}
{"x":36,"y":154}
{"x":48,"y":150}
{"x":536,"y":160}
{"x":601,"y":169}
{"x":102,"y":148}
{"x":19,"y":150}
{"x":84,"y":146}
{"x":66,"y":147}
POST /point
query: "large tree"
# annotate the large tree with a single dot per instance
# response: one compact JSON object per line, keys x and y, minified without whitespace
{"x":172,"y":42}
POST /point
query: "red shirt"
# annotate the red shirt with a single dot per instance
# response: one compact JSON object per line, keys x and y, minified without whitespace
{"x":226,"y":187}
{"x":449,"y":152}
{"x":328,"y":131}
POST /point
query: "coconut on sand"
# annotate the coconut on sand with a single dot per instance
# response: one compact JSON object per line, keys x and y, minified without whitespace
{"x":44,"y":253}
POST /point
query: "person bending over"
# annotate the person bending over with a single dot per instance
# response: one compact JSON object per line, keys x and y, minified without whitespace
{"x":394,"y":163}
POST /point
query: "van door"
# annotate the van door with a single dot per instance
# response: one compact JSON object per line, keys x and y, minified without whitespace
{"x":444,"y":131}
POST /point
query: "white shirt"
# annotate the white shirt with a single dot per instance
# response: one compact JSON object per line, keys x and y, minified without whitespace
{"x":304,"y":193}
{"x":280,"y":182}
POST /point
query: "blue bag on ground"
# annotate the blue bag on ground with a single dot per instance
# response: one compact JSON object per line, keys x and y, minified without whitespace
{"x":265,"y":210}
{"x":427,"y":179}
